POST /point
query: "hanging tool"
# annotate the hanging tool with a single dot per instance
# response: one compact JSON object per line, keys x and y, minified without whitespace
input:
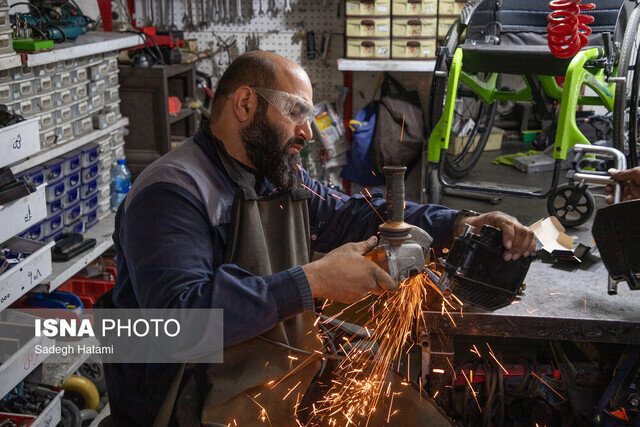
{"x":287,"y":6}
{"x":239,"y":17}
{"x":403,"y":249}
{"x":252,"y":42}
{"x":227,"y":14}
{"x":173,"y":17}
{"x":272,"y":10}
{"x":161,"y":15}
{"x":326,"y":40}
{"x":477,"y":273}
{"x":203,"y":15}
{"x":261,"y":11}
{"x":311,"y":45}
{"x":153,"y":15}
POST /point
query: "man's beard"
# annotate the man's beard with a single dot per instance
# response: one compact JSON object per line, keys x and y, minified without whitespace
{"x":263,"y":142}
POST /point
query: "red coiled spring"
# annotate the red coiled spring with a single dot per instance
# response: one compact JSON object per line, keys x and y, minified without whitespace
{"x":568,"y":30}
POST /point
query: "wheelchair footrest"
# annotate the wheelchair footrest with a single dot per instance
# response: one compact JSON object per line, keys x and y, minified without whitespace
{"x":497,"y":186}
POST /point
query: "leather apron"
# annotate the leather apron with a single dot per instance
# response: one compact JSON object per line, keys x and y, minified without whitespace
{"x":267,"y":235}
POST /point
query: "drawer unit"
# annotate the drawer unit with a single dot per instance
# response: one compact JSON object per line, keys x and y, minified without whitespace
{"x":71,"y":197}
{"x":368,"y":48}
{"x":71,"y":162}
{"x":79,"y":109}
{"x":367,"y":8}
{"x":53,"y":170}
{"x":105,"y":162}
{"x":112,"y":64}
{"x":47,"y":121}
{"x":35,"y":175}
{"x":76,"y":227}
{"x":67,"y":64}
{"x":22,"y":89}
{"x":44,"y":84}
{"x":104,"y":192}
{"x":96,"y":102}
{"x":90,"y":173}
{"x":111,"y":79}
{"x":34,"y":233}
{"x":55,"y":191}
{"x":80,"y":76}
{"x":64,"y":132}
{"x":112,"y":95}
{"x":6,"y":76}
{"x":104,"y":207}
{"x":45,"y":70}
{"x":45,"y":103}
{"x":90,"y":219}
{"x":80,"y":92}
{"x":414,"y":7}
{"x":117,"y":154}
{"x":104,"y":120}
{"x":73,"y":181}
{"x":54,"y":207}
{"x":104,"y":145}
{"x":98,"y":71}
{"x":5,"y":42}
{"x":104,"y":178}
{"x":22,"y":73}
{"x":24,"y":107}
{"x":72,"y":213}
{"x":90,"y":203}
{"x":48,"y":138}
{"x":97,"y":87}
{"x":63,"y":80}
{"x":413,"y":48}
{"x":63,"y":97}
{"x":367,"y":27}
{"x":82,"y":126}
{"x":5,"y":25}
{"x":63,"y":115}
{"x":89,"y":189}
{"x":52,"y":225}
{"x":6,"y":95}
{"x":89,"y":154}
{"x":419,"y":26}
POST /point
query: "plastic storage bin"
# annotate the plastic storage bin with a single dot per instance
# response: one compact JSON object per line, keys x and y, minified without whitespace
{"x":71,"y":162}
{"x":54,"y":207}
{"x":419,"y":26}
{"x":52,"y":225}
{"x":90,"y":203}
{"x":89,"y":189}
{"x":90,"y":219}
{"x":76,"y":227}
{"x":35,"y":232}
{"x":104,"y":178}
{"x":53,"y":169}
{"x":104,"y":191}
{"x":368,"y":48}
{"x":368,"y":27}
{"x":71,"y":197}
{"x":55,"y":190}
{"x":73,"y":180}
{"x":89,"y":155}
{"x":91,"y":172}
{"x":367,"y":7}
{"x":413,"y":48}
{"x":34,"y":175}
{"x":72,"y":213}
{"x":414,"y":7}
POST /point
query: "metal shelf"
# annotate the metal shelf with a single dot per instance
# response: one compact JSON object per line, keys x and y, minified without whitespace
{"x":10,"y":61}
{"x":58,"y":150}
{"x":399,"y":65}
{"x":85,"y":45}
{"x":63,"y":271}
{"x":58,"y":368}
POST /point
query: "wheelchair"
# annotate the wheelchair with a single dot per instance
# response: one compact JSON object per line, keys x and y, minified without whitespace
{"x":496,"y":37}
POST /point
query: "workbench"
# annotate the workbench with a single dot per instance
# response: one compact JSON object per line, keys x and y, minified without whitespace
{"x":559,"y":303}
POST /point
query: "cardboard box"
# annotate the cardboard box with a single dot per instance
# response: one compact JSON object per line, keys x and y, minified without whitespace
{"x":493,"y":143}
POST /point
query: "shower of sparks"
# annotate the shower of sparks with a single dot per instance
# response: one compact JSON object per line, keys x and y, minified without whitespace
{"x":368,"y":194}
{"x":374,"y":209}
{"x":545,"y":383}
{"x":313,"y":192}
{"x":336,"y":196}
{"x":496,"y":359}
{"x":360,"y":384}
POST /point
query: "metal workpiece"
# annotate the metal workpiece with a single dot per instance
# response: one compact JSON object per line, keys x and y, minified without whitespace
{"x":620,"y":163}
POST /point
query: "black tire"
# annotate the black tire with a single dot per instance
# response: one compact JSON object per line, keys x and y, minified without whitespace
{"x":70,"y":414}
{"x":572,"y":205}
{"x":483,"y":115}
{"x":625,"y":110}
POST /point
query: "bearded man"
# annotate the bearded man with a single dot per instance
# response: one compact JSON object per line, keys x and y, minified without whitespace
{"x":229,"y":220}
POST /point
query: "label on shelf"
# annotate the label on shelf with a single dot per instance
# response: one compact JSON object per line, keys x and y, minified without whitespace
{"x":19,"y":141}
{"x":23,"y":213}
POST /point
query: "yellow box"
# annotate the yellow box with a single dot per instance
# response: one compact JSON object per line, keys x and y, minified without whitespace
{"x":446,"y":8}
{"x":419,"y":26}
{"x":414,"y":7}
{"x":368,"y":48}
{"x":413,"y":48}
{"x":368,"y":27}
{"x":493,"y":143}
{"x":367,"y":8}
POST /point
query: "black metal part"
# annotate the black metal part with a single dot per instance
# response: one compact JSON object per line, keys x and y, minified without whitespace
{"x":395,"y":192}
{"x":616,"y":231}
{"x":479,"y":272}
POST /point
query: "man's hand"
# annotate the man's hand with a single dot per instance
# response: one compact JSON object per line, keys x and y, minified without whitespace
{"x":516,"y":238}
{"x":630,"y":180}
{"x":345,"y":275}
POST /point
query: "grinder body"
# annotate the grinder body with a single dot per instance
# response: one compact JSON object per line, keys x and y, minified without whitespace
{"x":403,"y":248}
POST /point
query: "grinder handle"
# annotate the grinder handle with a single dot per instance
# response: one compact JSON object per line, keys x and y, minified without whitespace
{"x":395,"y":192}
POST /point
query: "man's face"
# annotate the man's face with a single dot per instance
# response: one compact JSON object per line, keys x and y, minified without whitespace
{"x":270,"y":150}
{"x":272,"y":141}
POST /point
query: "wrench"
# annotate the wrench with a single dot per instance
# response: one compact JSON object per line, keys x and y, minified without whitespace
{"x":173,"y":18}
{"x":239,"y":17}
{"x":261,"y":12}
{"x":161,"y":15}
{"x":153,"y":17}
{"x":287,"y":6}
{"x":203,"y":23}
{"x":227,"y":14}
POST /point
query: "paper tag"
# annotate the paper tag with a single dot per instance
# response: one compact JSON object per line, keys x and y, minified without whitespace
{"x":351,"y":6}
{"x":383,"y":51}
{"x":382,"y":8}
{"x":383,"y":28}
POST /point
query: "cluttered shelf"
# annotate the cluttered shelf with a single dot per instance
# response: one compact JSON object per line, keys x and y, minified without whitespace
{"x":62,"y":271}
{"x":345,"y":64}
{"x":85,"y":45}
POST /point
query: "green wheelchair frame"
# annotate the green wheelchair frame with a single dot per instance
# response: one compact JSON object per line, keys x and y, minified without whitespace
{"x":593,"y":68}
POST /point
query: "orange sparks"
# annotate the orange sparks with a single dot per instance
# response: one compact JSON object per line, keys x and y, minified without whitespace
{"x":336,"y":196}
{"x":438,"y":371}
{"x":475,"y":350}
{"x":436,"y":394}
{"x":292,"y":357}
{"x":294,"y":387}
{"x":263,"y":413}
{"x":496,"y":359}
{"x":585,"y":304}
{"x":316,"y":322}
{"x":373,"y":173}
{"x":271,"y":382}
{"x":557,"y":293}
{"x":402,"y":129}
{"x":374,"y":209}
{"x":369,"y":194}
{"x":298,"y":165}
{"x":545,"y":383}
{"x":473,"y":392}
{"x":313,"y":192}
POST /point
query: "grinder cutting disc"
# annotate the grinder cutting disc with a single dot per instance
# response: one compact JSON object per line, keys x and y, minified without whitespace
{"x":616,"y":230}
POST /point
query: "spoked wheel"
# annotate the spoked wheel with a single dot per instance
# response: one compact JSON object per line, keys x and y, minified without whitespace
{"x":471,"y":115}
{"x":626,"y":114}
{"x":573,"y":205}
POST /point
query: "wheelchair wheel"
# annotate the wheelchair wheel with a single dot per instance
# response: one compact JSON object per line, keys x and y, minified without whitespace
{"x":573,"y":205}
{"x":469,"y":111}
{"x":626,"y":114}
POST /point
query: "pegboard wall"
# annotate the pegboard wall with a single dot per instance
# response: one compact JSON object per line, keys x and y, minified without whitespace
{"x":280,"y":32}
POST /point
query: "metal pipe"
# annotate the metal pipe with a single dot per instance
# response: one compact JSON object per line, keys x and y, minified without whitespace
{"x":620,"y":163}
{"x":395,"y":192}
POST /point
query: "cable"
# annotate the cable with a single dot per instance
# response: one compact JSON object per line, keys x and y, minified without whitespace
{"x":27,"y":4}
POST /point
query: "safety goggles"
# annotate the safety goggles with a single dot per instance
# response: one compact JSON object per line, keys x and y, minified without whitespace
{"x":294,"y":108}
